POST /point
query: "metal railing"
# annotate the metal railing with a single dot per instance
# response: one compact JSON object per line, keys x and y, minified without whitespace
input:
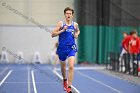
{"x":128,"y":63}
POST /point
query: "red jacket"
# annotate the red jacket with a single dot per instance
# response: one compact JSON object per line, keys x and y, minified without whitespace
{"x":125,"y":42}
{"x":134,"y":45}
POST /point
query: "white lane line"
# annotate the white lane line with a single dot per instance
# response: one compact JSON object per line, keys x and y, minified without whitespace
{"x":83,"y":68}
{"x":5,"y":77}
{"x":30,"y":82}
{"x":56,"y":73}
{"x":95,"y":80}
{"x":88,"y":68}
{"x":4,"y":70}
{"x":28,"y":79}
{"x":33,"y":80}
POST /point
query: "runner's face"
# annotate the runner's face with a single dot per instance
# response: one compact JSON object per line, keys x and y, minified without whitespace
{"x":68,"y":15}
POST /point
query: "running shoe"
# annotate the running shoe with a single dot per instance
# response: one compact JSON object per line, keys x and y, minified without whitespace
{"x":65,"y":85}
{"x":69,"y":89}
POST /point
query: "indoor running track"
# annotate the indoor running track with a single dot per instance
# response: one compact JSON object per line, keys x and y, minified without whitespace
{"x":37,"y":78}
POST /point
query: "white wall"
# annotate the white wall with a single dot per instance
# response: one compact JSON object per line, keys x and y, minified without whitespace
{"x":27,"y":39}
{"x":43,"y":11}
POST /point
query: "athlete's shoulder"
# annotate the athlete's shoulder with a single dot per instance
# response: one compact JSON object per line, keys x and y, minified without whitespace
{"x":60,"y":23}
{"x":75,"y":23}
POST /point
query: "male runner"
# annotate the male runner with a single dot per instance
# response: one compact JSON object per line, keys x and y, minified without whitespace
{"x":67,"y":30}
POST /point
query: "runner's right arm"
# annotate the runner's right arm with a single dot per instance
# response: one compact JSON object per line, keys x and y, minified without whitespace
{"x":57,"y":30}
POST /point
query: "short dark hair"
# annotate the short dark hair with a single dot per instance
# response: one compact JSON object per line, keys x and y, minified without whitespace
{"x":68,"y":8}
{"x":134,"y":31}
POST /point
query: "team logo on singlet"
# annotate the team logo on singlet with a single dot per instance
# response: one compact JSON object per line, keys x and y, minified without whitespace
{"x":69,"y":30}
{"x":72,"y":32}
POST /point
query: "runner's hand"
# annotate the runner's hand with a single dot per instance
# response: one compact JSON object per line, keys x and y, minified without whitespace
{"x":76,"y":36}
{"x":64,"y":29}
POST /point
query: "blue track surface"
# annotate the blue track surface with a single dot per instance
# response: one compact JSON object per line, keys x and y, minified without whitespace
{"x":41,"y":79}
{"x":21,"y":81}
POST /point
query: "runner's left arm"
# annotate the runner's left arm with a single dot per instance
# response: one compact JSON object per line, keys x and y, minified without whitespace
{"x":77,"y":32}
